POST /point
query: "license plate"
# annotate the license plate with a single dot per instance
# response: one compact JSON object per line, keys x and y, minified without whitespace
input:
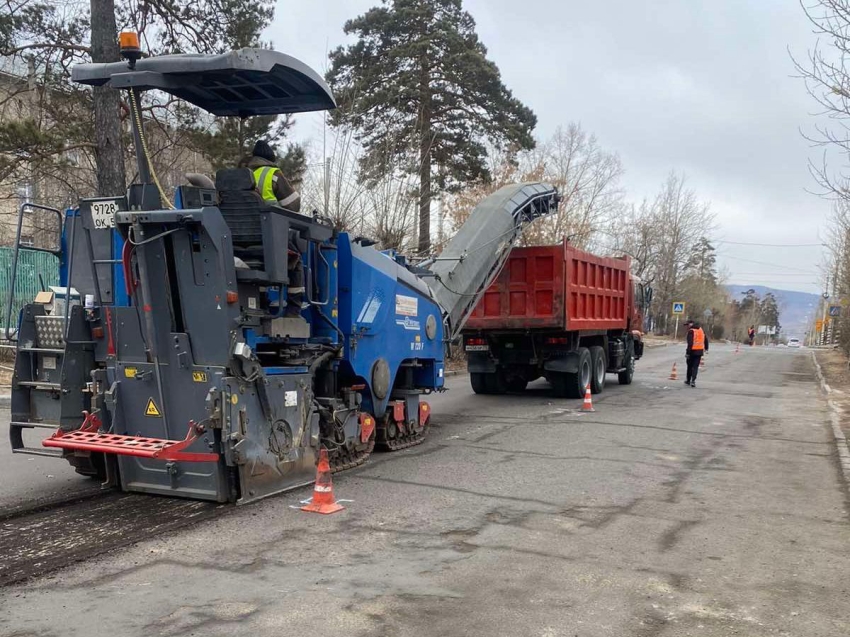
{"x":477,"y":348}
{"x":103,"y":214}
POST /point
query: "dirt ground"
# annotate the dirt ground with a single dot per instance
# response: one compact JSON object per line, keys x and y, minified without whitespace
{"x":836,"y":371}
{"x":6,"y":361}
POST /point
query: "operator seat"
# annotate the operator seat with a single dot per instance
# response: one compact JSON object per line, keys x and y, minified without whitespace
{"x":240,"y":205}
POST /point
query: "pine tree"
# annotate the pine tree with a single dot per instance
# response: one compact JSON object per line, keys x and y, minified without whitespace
{"x":418,"y":88}
{"x":59,"y":131}
{"x":226,"y":140}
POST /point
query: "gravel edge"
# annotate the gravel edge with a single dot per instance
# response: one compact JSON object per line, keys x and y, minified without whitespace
{"x":835,"y":421}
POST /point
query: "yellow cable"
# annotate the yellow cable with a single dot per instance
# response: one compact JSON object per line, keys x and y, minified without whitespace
{"x":138,"y":118}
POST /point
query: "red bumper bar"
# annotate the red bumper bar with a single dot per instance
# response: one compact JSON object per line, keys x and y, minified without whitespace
{"x":87,"y":438}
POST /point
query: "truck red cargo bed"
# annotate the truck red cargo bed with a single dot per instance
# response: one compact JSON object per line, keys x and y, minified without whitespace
{"x":556,"y":287}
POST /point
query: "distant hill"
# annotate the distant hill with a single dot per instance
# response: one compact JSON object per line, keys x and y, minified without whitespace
{"x":793,"y":306}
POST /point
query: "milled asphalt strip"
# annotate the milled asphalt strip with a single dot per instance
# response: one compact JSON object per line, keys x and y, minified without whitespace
{"x":835,"y":419}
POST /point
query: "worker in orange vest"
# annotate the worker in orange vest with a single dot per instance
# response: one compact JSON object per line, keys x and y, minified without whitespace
{"x":697,"y":347}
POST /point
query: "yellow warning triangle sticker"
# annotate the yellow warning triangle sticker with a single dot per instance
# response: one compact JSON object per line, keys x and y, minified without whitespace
{"x":152,"y":409}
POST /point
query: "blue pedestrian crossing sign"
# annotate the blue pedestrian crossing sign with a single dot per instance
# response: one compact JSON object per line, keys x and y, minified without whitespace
{"x":678,"y":307}
{"x":835,"y":310}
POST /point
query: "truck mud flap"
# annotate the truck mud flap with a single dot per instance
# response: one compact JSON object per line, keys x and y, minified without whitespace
{"x":480,"y":364}
{"x":567,"y":364}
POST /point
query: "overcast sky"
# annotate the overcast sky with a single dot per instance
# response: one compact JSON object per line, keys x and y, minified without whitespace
{"x":705,"y":87}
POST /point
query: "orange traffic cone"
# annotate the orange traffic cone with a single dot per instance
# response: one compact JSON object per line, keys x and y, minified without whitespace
{"x":737,"y":348}
{"x":674,"y":375}
{"x":588,"y":403}
{"x":702,"y":361}
{"x":323,"y":500}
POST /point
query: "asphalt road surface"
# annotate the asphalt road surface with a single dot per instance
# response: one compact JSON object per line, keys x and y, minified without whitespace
{"x":670,"y":511}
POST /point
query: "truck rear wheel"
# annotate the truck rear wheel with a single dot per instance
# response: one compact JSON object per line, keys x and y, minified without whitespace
{"x":496,"y":383}
{"x":571,"y":385}
{"x":478,"y":382}
{"x":598,"y":365}
{"x":625,"y":376}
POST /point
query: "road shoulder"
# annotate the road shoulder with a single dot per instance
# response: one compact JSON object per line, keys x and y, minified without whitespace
{"x":834,"y":375}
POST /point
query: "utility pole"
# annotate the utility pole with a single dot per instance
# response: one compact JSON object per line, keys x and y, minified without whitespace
{"x":832,"y":326}
{"x":825,"y":301}
{"x":327,"y":186}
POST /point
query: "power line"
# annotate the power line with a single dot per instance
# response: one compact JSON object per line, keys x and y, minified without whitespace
{"x":772,"y":274}
{"x":774,"y":245}
{"x":771,"y":265}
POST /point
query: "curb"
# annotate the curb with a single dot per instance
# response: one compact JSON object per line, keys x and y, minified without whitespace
{"x":452,"y":373}
{"x":835,"y":420}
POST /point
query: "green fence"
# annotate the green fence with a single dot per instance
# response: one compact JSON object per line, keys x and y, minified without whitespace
{"x":31,"y":264}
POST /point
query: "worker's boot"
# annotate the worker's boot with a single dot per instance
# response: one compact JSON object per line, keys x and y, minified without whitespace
{"x":294,"y":305}
{"x":295,"y":291}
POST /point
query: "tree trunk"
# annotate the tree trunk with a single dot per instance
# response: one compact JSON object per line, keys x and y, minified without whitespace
{"x":109,"y":155}
{"x":425,"y":135}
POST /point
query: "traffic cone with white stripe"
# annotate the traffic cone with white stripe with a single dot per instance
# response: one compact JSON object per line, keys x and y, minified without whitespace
{"x":737,"y":348}
{"x":702,"y":361}
{"x":323,"y":500}
{"x":588,"y":403}
{"x":674,"y":375}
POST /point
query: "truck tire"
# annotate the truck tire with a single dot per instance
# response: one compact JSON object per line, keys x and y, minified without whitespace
{"x":496,"y":383}
{"x":625,"y":377}
{"x":572,"y":385}
{"x":598,"y":366}
{"x":478,"y":382}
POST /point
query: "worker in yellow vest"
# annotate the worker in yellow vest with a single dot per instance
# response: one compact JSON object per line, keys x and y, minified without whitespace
{"x":275,"y":189}
{"x":271,"y":183}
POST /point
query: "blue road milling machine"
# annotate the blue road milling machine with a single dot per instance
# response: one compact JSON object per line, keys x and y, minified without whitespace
{"x":181,"y":375}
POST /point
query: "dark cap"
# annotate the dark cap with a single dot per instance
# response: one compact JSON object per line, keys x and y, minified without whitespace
{"x":262,"y":149}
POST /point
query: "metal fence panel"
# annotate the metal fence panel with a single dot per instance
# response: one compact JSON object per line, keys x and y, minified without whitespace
{"x":31,"y":264}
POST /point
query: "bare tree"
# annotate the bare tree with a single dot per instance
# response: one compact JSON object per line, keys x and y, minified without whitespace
{"x":825,"y":71}
{"x":384,"y":208}
{"x":392,"y":218}
{"x":682,"y":220}
{"x":332,"y":184}
{"x":636,"y":231}
{"x":588,"y":178}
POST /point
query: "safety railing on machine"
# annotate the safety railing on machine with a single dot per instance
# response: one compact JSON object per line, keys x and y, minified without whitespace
{"x":56,"y":251}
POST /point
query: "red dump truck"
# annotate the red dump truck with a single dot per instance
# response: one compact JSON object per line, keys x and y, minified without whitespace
{"x":561,"y":313}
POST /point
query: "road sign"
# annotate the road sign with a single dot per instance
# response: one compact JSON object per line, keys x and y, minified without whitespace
{"x":819,"y":325}
{"x":835,"y":310}
{"x":678,"y":307}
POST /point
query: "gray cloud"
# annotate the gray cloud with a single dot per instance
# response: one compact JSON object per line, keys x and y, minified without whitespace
{"x":699,"y":86}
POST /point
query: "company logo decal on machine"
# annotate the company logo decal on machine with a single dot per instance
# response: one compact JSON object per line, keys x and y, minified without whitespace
{"x":406,"y":305}
{"x":408,"y":323}
{"x":370,"y":310}
{"x":152,"y":410}
{"x":199,"y":377}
